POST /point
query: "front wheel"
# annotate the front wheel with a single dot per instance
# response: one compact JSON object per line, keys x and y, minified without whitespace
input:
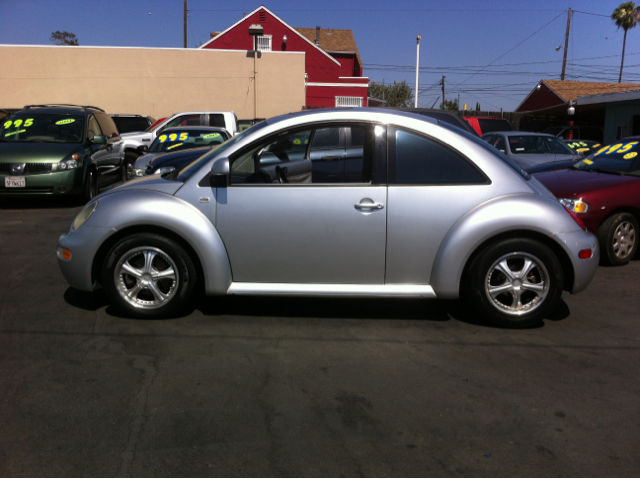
{"x":619,"y":237}
{"x":514,"y":283}
{"x":149,"y":276}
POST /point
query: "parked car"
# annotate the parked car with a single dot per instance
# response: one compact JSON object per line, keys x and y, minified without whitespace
{"x":175,"y":148}
{"x":452,"y":117}
{"x":604,"y":191}
{"x":487,"y":124}
{"x":420,"y":209}
{"x":593,"y":133}
{"x":132,"y":123}
{"x":532,"y":149}
{"x":220,"y":119}
{"x":59,"y":150}
{"x":583,"y":147}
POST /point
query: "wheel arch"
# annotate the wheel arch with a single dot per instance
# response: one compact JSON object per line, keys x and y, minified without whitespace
{"x":635,"y":212}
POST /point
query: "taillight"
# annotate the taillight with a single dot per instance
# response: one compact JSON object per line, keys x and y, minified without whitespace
{"x":576,"y":219}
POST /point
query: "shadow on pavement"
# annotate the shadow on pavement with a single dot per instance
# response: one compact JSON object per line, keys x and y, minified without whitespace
{"x":42,"y":203}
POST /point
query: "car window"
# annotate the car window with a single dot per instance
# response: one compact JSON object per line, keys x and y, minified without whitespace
{"x":176,"y":140}
{"x":314,"y":156}
{"x":500,"y":144}
{"x":618,"y":158}
{"x":48,"y":128}
{"x":94,"y":128}
{"x":107,"y":125}
{"x":357,"y":136}
{"x":126,"y":124}
{"x":217,"y":119}
{"x":488,"y":138}
{"x":416,"y":159}
{"x":185,"y":120}
{"x":494,"y":124}
{"x":533,"y":144}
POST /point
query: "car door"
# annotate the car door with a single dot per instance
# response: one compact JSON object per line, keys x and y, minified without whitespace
{"x":111,"y":168}
{"x":299,"y":226}
{"x":100,"y":154}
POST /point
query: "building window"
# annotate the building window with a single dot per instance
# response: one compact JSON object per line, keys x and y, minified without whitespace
{"x":348,"y":101}
{"x":264,"y":43}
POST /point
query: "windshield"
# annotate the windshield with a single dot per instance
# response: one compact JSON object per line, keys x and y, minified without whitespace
{"x":620,"y":158}
{"x":176,"y":140}
{"x":532,"y":144}
{"x":186,"y":173}
{"x":43,"y":129}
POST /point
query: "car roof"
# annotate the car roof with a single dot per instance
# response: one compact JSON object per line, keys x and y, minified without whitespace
{"x":60,"y":110}
{"x":345,"y":111}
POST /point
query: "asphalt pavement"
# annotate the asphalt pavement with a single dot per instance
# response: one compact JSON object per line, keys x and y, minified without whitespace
{"x":306,"y":387}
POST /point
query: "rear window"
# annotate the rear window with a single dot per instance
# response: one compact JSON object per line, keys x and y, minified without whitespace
{"x":494,"y":124}
{"x":130,"y":124}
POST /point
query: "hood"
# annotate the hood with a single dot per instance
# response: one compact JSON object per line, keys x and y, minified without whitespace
{"x":17,"y":152}
{"x":575,"y":183}
{"x":178,"y":157}
{"x":152,"y":183}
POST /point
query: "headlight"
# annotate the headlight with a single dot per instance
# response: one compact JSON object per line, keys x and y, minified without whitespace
{"x":164,"y":169}
{"x":138,"y":171}
{"x":84,"y":215}
{"x":70,"y":163}
{"x":577,"y":206}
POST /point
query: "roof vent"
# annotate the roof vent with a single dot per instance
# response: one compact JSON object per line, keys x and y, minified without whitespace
{"x":317,"y":35}
{"x":263,"y":16}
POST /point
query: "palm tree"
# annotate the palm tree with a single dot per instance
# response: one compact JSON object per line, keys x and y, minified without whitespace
{"x":626,"y":16}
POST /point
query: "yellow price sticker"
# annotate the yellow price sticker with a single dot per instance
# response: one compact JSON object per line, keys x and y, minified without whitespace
{"x":297,"y":141}
{"x":588,"y":162}
{"x":15,"y":132}
{"x":65,"y":122}
{"x":628,"y":156}
{"x":173,"y":146}
{"x":211,"y":135}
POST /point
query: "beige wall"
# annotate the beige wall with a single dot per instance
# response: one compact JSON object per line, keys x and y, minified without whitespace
{"x":151,"y":81}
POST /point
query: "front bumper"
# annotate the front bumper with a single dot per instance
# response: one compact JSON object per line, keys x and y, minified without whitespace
{"x":54,"y":183}
{"x":583,"y":269}
{"x":83,"y":244}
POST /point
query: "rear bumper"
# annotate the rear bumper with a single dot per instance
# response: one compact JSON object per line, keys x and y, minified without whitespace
{"x":55,"y":183}
{"x":583,"y":269}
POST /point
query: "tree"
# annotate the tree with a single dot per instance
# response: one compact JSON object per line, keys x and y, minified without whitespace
{"x":449,"y":105}
{"x":64,"y":38}
{"x":477,"y":106}
{"x":626,"y":16}
{"x":398,"y":94}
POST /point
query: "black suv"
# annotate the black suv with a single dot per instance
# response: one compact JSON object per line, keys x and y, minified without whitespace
{"x":59,"y":150}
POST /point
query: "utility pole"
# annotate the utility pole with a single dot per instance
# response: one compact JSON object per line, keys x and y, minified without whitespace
{"x":458,"y":101}
{"x":185,"y":23}
{"x":566,"y":45}
{"x":443,"y":77}
{"x":417,"y":66}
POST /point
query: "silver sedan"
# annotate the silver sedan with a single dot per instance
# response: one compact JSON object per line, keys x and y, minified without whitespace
{"x":344,"y":202}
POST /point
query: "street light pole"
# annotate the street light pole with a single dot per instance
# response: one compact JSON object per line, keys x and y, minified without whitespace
{"x":415,"y":105}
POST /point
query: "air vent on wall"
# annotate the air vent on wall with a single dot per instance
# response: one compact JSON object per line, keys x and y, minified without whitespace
{"x":263,"y":17}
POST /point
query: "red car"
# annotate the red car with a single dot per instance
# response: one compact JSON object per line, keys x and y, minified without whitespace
{"x":604,"y":191}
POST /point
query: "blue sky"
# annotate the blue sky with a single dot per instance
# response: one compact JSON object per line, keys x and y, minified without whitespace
{"x":491,"y":51}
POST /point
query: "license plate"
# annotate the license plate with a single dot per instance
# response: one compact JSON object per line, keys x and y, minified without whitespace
{"x":16,"y":182}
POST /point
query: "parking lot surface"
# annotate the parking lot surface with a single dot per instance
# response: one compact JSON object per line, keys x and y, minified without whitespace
{"x":306,"y":387}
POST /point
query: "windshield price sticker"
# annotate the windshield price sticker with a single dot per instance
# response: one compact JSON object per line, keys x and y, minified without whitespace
{"x":617,"y":148}
{"x":211,"y":135}
{"x":65,"y":122}
{"x":628,"y":156}
{"x":18,"y":123}
{"x":184,"y":136}
{"x":173,"y":146}
{"x":577,"y":144}
{"x":14,"y":132}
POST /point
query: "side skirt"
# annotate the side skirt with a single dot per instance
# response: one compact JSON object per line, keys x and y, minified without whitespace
{"x":332,"y":290}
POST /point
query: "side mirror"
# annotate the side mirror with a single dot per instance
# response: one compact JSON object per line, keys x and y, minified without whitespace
{"x":99,"y":140}
{"x":220,"y":167}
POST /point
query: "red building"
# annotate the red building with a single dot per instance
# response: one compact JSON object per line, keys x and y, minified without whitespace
{"x":332,"y":62}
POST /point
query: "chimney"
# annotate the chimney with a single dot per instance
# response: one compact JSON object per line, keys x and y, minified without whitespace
{"x":317,"y":35}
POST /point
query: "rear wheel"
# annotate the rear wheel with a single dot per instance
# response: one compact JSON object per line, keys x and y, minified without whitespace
{"x":149,"y":276}
{"x":619,"y":237}
{"x":514,"y":283}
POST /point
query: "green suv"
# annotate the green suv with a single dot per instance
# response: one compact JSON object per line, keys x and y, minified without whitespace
{"x":59,"y":150}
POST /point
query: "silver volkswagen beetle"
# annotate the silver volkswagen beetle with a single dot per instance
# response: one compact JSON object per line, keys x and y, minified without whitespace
{"x":345,"y":202}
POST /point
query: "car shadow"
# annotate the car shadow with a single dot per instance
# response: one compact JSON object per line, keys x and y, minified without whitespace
{"x":436,"y":310}
{"x":41,"y":203}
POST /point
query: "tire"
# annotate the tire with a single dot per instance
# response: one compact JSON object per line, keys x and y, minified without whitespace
{"x":509,"y":300}
{"x":129,"y":159}
{"x":90,"y":186}
{"x":130,"y":276}
{"x":619,"y":236}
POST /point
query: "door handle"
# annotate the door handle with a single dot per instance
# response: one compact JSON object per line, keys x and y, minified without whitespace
{"x":369,"y":206}
{"x":330,"y":158}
